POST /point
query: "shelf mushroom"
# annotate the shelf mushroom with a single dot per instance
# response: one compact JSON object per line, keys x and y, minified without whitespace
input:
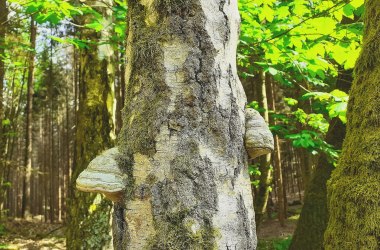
{"x":258,"y":138}
{"x":103,"y":176}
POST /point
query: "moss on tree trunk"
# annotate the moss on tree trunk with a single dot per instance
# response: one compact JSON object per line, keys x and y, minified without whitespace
{"x":89,"y":214}
{"x":354,"y":189}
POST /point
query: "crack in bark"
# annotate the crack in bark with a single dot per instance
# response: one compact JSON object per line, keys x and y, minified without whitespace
{"x":119,"y":226}
{"x":227,"y":32}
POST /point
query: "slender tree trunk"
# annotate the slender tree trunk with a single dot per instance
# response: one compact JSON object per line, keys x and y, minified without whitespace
{"x":263,"y":190}
{"x":277,"y":159}
{"x":3,"y":26}
{"x":182,"y":139}
{"x":52,"y":160}
{"x":26,"y":201}
{"x":119,"y":88}
{"x":46,"y":162}
{"x":354,"y":188}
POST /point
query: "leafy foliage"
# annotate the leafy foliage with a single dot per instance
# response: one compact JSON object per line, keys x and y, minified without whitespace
{"x":254,"y":170}
{"x":303,"y":45}
{"x":52,"y":11}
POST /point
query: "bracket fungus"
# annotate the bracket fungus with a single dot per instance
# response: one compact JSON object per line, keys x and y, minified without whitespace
{"x":258,"y":138}
{"x":103,"y":176}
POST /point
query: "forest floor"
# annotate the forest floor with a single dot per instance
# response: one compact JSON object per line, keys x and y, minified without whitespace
{"x":31,"y":235}
{"x":34,"y":234}
{"x":272,"y":236}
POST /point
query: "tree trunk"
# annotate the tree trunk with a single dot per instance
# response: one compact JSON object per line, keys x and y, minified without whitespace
{"x":281,"y":208}
{"x":313,"y":219}
{"x":119,"y":89}
{"x":89,"y":214}
{"x":3,"y":139}
{"x":3,"y":26}
{"x":182,"y":137}
{"x":263,"y":190}
{"x":354,"y":188}
{"x":28,"y":132}
{"x":314,"y":215}
{"x":51,"y":117}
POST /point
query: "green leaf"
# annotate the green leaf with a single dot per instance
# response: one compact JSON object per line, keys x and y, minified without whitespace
{"x":291,"y":101}
{"x":267,"y":13}
{"x":348,"y":10}
{"x":95,"y":25}
{"x":58,"y":39}
{"x":6,"y":122}
{"x":351,"y":60}
{"x":339,"y":54}
{"x":31,"y":9}
{"x":337,"y":109}
{"x":283,"y":12}
{"x":339,"y":95}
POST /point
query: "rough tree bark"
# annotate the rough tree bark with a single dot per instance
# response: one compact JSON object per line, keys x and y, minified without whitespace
{"x":354,"y":188}
{"x":26,"y":199}
{"x":182,"y":141}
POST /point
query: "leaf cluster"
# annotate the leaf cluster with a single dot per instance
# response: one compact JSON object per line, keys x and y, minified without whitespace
{"x":303,"y":45}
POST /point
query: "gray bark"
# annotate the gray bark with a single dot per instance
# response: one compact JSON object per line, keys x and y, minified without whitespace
{"x":182,"y":144}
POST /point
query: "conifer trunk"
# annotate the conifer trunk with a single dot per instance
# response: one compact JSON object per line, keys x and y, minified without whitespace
{"x":26,"y":198}
{"x":354,"y":188}
{"x":182,"y":137}
{"x":3,"y":25}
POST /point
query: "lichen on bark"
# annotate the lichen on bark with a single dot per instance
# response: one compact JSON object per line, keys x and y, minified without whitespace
{"x":184,"y":126}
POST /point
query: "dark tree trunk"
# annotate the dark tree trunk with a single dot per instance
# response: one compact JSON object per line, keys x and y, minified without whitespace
{"x":313,"y":219}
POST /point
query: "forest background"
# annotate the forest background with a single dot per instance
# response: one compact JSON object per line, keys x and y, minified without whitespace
{"x":62,"y":67}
